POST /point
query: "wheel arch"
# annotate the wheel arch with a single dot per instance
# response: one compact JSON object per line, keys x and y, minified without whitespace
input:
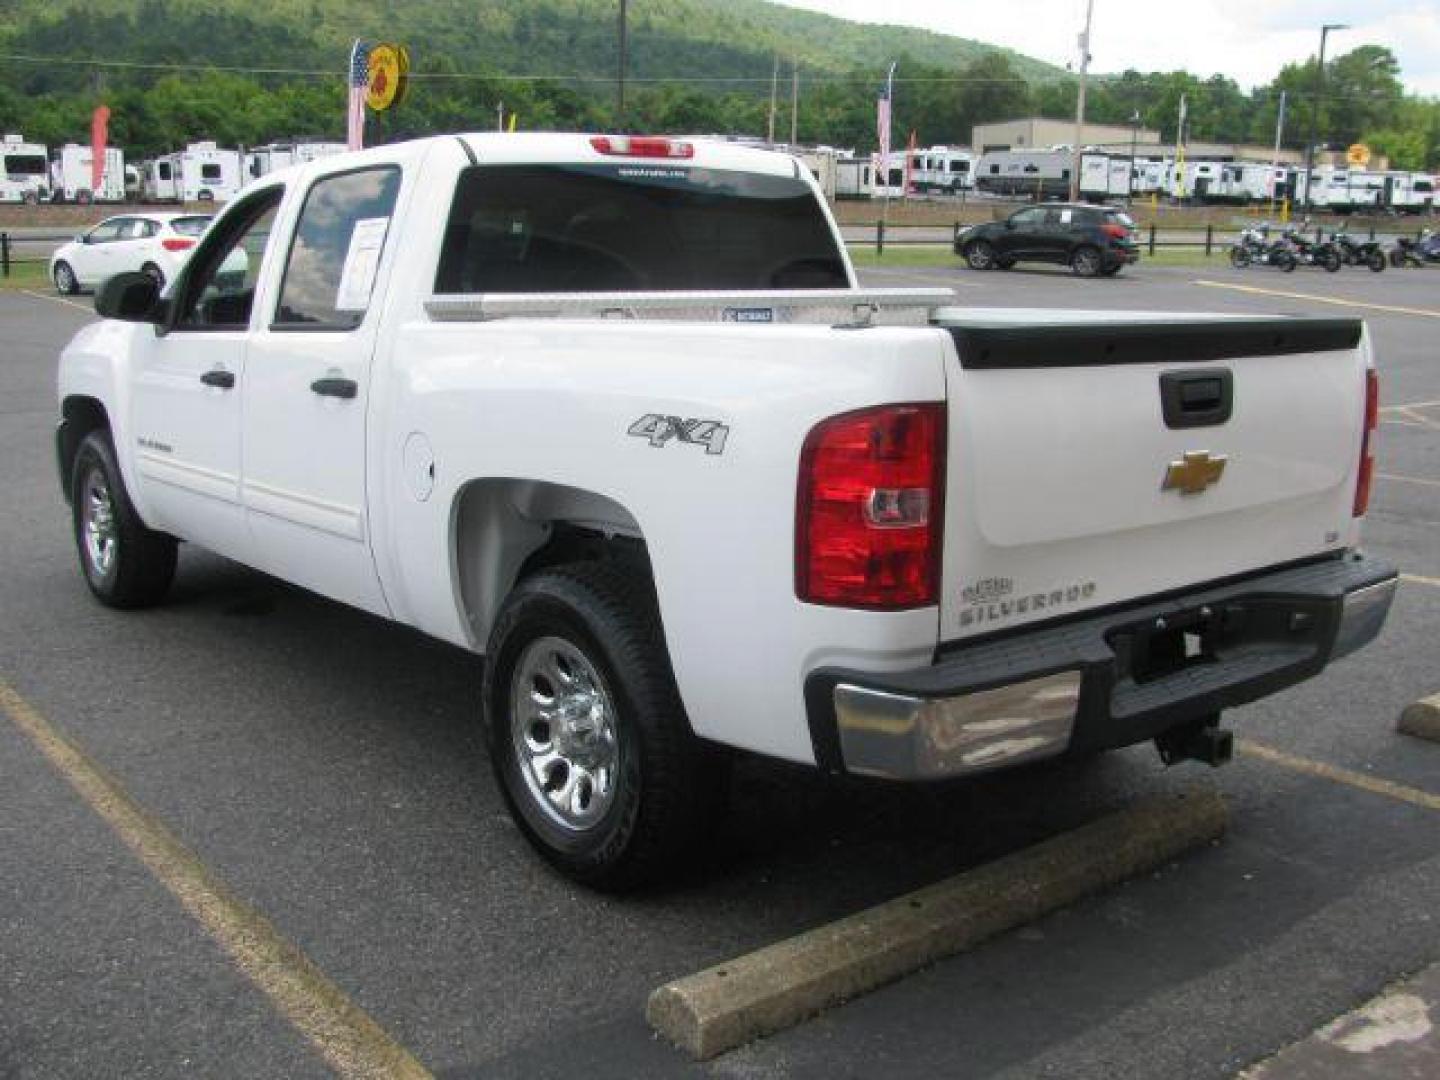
{"x":80,"y":414}
{"x":503,"y":529}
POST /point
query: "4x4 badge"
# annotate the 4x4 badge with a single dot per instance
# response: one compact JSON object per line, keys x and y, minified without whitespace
{"x":1194,"y":473}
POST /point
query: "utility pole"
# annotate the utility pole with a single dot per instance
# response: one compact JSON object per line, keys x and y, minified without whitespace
{"x":1080,"y":103}
{"x":1275,"y":159}
{"x":774,"y":88}
{"x":794,"y":104}
{"x":1315,"y":111}
{"x":1134,"y":138}
{"x":620,"y":75}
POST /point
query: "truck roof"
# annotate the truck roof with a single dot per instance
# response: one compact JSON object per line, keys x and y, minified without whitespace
{"x":541,"y":147}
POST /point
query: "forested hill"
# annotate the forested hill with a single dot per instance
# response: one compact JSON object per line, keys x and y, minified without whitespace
{"x":251,"y":71}
{"x":696,"y":63}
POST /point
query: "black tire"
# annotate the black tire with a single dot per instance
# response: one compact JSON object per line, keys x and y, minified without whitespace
{"x":66,"y":283}
{"x":980,"y":255}
{"x":664,"y":785}
{"x":83,"y":197}
{"x":1004,"y":262}
{"x":1086,"y":261}
{"x":1287,"y":261}
{"x":140,"y":563}
{"x":154,"y":273}
{"x":1397,"y":260}
{"x":1331,"y":261}
{"x":1239,"y":257}
{"x":1376,"y":261}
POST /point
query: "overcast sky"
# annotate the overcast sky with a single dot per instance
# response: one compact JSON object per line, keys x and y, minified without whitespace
{"x":1248,"y":40}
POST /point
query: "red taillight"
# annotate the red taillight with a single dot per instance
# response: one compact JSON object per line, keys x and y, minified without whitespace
{"x":1367,"y":455}
{"x":870,"y":508}
{"x":647,"y":146}
{"x":1111,"y":229}
{"x":177,"y":243}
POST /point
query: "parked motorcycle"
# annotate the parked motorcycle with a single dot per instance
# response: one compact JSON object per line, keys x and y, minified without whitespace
{"x":1357,"y":252}
{"x":1410,"y":252}
{"x":1255,"y":248}
{"x":1311,"y":252}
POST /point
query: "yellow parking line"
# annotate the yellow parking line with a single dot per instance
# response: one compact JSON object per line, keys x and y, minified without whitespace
{"x":1407,"y":479}
{"x":59,"y":300}
{"x":345,"y":1036}
{"x":1390,"y":308}
{"x":1372,"y":784}
{"x":1421,"y":580}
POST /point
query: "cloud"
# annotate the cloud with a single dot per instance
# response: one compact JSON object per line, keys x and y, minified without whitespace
{"x":1247,"y":40}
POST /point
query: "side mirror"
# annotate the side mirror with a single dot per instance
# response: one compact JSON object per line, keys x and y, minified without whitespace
{"x":131,"y":297}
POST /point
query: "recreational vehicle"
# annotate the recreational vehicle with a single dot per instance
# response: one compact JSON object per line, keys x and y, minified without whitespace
{"x":72,"y":175}
{"x":24,"y":171}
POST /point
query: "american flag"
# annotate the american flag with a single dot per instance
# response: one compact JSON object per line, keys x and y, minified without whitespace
{"x":359,"y":77}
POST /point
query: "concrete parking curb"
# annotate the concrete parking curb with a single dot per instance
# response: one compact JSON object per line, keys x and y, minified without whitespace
{"x":778,"y":986}
{"x":1390,"y":1037}
{"x":1422,"y":719}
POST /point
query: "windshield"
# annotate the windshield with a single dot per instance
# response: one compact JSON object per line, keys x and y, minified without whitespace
{"x":634,"y":227}
{"x":191,"y":226}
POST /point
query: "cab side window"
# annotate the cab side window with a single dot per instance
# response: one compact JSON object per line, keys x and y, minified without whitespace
{"x":336,"y":250}
{"x":217,"y":290}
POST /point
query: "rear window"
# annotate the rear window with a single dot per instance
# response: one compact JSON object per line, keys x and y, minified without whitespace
{"x":607,"y":228}
{"x":190,"y":226}
{"x":1120,"y":218}
{"x":209,"y":172}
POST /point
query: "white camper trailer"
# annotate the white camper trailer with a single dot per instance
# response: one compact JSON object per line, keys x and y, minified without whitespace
{"x":263,"y":160}
{"x":24,"y":171}
{"x":202,"y":172}
{"x":861,"y":178}
{"x":943,"y":170}
{"x":822,"y":163}
{"x":1040,"y":174}
{"x":72,"y":175}
{"x":1104,"y":176}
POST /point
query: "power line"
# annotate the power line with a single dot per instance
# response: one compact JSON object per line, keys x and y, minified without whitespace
{"x":138,"y":65}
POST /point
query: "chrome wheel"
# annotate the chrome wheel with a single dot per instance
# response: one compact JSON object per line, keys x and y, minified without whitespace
{"x":563,"y":731}
{"x":65,"y":279}
{"x":98,"y":520}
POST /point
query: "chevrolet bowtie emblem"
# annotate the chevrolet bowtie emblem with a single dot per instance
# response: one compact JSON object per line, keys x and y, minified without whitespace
{"x":1194,"y":474}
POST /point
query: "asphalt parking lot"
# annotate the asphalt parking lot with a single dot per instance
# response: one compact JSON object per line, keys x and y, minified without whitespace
{"x":326,"y":768}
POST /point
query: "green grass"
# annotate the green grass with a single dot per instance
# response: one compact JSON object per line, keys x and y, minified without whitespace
{"x":27,"y":275}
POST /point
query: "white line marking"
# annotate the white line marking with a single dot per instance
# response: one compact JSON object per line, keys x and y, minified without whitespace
{"x":1421,"y":580}
{"x":1408,"y":479}
{"x":58,"y":300}
{"x":1391,"y":308}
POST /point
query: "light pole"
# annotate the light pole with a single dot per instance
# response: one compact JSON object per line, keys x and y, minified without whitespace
{"x":1080,"y":103}
{"x":1315,"y":111}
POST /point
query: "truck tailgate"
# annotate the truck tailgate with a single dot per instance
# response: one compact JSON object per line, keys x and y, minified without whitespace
{"x":1098,"y":458}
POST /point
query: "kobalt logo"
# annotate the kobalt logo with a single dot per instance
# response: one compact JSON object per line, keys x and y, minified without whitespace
{"x":659,"y":430}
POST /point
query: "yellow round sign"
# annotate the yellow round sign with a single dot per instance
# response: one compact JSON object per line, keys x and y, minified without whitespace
{"x":388,"y":72}
{"x":1359,"y":154}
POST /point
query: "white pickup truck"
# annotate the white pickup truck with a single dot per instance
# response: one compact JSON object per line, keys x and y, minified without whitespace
{"x":613,"y":413}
